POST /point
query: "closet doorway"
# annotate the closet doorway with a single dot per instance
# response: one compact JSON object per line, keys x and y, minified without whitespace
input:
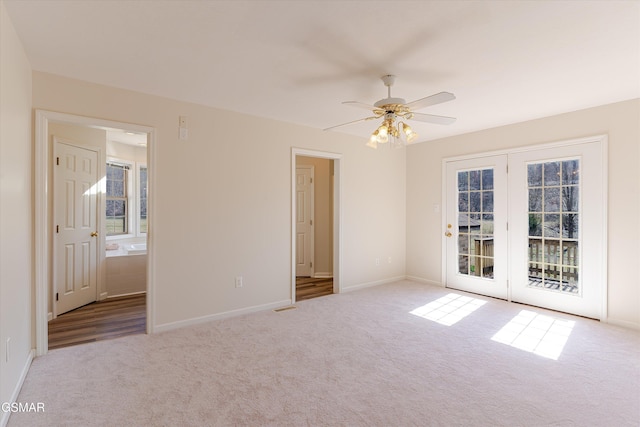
{"x":315,"y":226}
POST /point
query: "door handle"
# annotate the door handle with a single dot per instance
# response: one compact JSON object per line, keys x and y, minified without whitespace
{"x":448,"y":233}
{"x":94,"y":234}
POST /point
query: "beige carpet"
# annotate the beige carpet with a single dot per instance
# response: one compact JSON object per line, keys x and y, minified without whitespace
{"x":355,"y":359}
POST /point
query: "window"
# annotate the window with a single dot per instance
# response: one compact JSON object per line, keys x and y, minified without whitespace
{"x":475,"y":222}
{"x":553,"y":225}
{"x":117,"y":204}
{"x":126,"y":202}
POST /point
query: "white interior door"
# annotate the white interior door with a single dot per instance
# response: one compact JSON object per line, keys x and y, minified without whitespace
{"x":476,"y":228}
{"x":304,"y":221}
{"x":75,"y":255}
{"x":557,"y":228}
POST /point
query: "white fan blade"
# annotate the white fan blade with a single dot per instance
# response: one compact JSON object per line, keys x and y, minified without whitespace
{"x":430,"y":118}
{"x":350,"y":123}
{"x":361,"y":105}
{"x":438,"y":98}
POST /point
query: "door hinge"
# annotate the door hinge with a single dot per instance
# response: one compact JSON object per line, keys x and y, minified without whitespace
{"x":507,"y":168}
{"x":310,"y":180}
{"x":507,"y":226}
{"x":56,"y":296}
{"x":311,"y":265}
{"x":57,"y":228}
{"x":310,"y":222}
{"x":57,"y":161}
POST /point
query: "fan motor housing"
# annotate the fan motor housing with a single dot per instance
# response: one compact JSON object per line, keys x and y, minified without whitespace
{"x":389,"y":101}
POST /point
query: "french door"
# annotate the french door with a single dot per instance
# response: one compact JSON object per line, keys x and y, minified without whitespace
{"x":476,"y":229}
{"x":534,"y":235}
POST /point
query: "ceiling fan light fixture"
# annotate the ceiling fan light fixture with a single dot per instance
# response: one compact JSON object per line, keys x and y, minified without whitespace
{"x":395,"y":111}
{"x":373,"y":141}
{"x":409,"y":133}
{"x":382,"y":134}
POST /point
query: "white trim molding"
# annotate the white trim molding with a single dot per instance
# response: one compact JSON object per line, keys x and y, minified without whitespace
{"x":218,"y":316}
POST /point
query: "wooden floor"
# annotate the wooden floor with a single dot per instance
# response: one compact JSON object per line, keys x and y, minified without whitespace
{"x":117,"y":317}
{"x":111,"y":318}
{"x":308,"y":287}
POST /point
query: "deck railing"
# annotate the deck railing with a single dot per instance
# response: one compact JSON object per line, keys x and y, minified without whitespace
{"x":548,"y":260}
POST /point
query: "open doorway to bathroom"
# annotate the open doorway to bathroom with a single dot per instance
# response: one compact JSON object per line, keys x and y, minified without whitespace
{"x":95,"y":182}
{"x":114,"y":250}
{"x":314,"y":222}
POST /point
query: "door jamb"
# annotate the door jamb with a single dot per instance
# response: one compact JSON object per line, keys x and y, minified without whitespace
{"x":337,"y":214}
{"x":43,"y":229}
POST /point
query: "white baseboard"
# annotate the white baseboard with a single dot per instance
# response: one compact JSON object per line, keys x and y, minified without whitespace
{"x":323,"y":275}
{"x":197,"y":320}
{"x":103,"y":295}
{"x":425,"y":281}
{"x":49,"y":316}
{"x":622,"y":323}
{"x":370,"y":284}
{"x":127,"y":295}
{"x":16,"y":391}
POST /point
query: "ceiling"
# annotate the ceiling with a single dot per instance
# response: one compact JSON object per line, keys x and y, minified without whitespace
{"x":296,"y":62}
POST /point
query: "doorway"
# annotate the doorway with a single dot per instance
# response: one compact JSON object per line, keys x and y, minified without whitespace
{"x":45,"y":225}
{"x":315,"y":206}
{"x":529,"y":226}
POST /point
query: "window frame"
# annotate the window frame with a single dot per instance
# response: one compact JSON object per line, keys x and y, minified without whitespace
{"x":129,"y":205}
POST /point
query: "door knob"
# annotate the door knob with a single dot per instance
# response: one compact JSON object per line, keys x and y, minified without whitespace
{"x":94,"y":234}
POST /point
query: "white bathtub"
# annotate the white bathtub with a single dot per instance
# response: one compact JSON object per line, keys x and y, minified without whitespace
{"x":136,"y":249}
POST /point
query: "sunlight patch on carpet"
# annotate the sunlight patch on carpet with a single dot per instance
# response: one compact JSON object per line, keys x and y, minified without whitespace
{"x":449,"y":309}
{"x":536,"y":333}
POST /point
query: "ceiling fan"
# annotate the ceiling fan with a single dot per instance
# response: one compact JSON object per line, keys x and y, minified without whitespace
{"x":394,"y":110}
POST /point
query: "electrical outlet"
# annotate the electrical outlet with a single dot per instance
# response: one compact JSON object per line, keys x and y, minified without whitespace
{"x":239,"y":282}
{"x":183,"y":122}
{"x":377,"y":261}
{"x":389,"y":260}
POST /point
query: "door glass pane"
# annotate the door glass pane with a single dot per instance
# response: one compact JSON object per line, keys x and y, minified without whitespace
{"x":553,"y":189}
{"x":475,"y":223}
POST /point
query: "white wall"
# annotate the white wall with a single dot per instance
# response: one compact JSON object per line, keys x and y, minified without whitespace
{"x":222,"y":199}
{"x":16,"y":217}
{"x":621,"y":121}
{"x":129,"y":152}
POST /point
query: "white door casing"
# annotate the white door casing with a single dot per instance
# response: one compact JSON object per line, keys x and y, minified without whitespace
{"x":476,"y":225}
{"x":75,"y":250}
{"x":554,"y":247}
{"x":304,"y":221}
{"x":43,"y":217}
